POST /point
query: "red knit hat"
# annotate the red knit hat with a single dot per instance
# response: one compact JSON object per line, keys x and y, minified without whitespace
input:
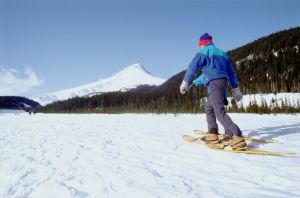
{"x":205,"y":39}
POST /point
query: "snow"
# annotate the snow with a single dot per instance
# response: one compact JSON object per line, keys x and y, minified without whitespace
{"x":272,"y":100}
{"x":275,"y":53}
{"x":128,"y":78}
{"x":249,"y":57}
{"x":289,"y":99}
{"x":141,"y":155}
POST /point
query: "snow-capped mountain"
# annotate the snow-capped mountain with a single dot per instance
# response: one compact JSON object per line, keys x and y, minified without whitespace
{"x":128,"y":78}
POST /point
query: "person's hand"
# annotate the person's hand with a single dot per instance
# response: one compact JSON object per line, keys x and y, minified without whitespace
{"x":237,"y":94}
{"x":184,"y":87}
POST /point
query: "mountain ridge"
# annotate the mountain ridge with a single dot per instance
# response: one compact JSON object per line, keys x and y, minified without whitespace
{"x":18,"y":103}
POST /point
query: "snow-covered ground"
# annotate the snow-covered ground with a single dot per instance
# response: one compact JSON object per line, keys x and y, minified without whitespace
{"x":141,"y":155}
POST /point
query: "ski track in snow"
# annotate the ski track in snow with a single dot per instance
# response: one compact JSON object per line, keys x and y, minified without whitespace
{"x":141,"y":155}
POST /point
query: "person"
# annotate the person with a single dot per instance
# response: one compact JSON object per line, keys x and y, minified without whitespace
{"x":217,"y":70}
{"x":200,"y":81}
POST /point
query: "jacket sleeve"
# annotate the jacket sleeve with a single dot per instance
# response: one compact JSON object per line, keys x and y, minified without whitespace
{"x":231,"y":74}
{"x":196,"y":64}
{"x":199,"y":81}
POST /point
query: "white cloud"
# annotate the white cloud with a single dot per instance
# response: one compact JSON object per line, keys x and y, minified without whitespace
{"x":13,"y":82}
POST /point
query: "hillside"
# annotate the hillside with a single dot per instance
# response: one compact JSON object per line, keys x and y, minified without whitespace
{"x":16,"y":102}
{"x":268,"y":65}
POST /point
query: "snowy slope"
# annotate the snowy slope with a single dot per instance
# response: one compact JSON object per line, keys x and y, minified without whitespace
{"x":128,"y":78}
{"x":131,"y":155}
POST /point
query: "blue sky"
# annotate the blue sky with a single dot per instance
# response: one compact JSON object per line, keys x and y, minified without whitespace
{"x":48,"y":45}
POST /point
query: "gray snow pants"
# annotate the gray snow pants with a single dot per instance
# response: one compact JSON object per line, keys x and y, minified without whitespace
{"x":215,"y":109}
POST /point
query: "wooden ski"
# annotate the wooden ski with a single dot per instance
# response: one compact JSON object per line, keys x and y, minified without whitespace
{"x":203,"y":133}
{"x":224,"y":148}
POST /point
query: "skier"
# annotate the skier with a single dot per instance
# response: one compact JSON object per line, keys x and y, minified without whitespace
{"x":217,"y":70}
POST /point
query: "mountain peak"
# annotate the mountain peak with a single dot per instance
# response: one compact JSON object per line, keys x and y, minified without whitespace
{"x":135,"y":67}
{"x":128,"y":78}
{"x":138,"y":74}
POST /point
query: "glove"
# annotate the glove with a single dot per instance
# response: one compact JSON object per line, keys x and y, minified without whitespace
{"x":237,"y":94}
{"x":184,"y":87}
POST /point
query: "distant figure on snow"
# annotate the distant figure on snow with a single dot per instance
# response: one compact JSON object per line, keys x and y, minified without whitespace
{"x":217,"y":70}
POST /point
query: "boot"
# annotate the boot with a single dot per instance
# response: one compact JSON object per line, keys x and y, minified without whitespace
{"x":225,"y":138}
{"x":238,"y":143}
{"x":212,"y":136}
{"x":213,"y":142}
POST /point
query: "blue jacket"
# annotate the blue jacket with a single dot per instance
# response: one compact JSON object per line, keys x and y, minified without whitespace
{"x":214,"y":63}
